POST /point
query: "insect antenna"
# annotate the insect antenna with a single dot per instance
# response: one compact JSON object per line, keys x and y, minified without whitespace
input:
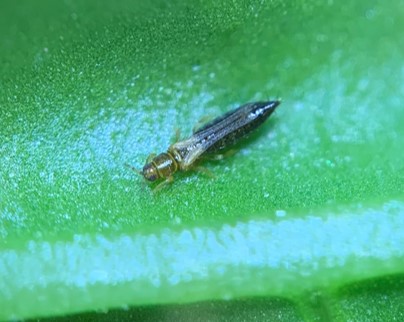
{"x":133,"y":169}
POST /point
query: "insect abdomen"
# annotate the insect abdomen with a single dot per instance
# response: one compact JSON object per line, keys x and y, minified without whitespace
{"x":231,"y":138}
{"x":249,"y":118}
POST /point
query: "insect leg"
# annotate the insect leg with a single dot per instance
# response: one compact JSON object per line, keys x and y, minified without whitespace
{"x":205,"y":171}
{"x":163,"y":184}
{"x":221,"y":156}
{"x":177,"y":135}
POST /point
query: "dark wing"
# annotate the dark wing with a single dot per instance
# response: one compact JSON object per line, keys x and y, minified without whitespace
{"x":226,"y":130}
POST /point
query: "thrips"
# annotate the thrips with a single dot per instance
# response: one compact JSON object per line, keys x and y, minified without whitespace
{"x":221,"y":133}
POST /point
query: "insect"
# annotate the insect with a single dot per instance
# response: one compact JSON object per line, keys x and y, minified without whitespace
{"x":219,"y":134}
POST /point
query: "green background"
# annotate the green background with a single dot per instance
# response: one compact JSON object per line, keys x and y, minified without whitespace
{"x":306,"y":221}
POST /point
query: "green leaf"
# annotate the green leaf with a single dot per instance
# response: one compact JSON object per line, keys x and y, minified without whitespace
{"x":306,"y":221}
